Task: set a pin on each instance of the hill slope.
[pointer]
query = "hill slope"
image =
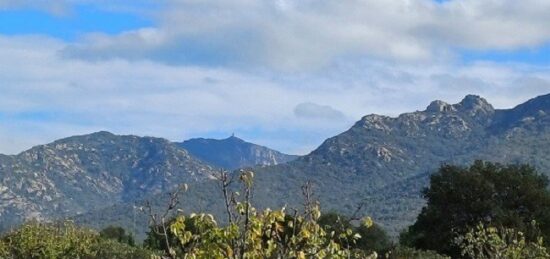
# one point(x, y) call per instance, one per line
point(232, 153)
point(83, 173)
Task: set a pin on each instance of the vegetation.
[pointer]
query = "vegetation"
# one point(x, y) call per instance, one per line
point(282, 233)
point(411, 253)
point(118, 234)
point(491, 242)
point(372, 237)
point(482, 211)
point(496, 196)
point(63, 240)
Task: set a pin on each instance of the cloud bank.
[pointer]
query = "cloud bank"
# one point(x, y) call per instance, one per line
point(302, 35)
point(286, 74)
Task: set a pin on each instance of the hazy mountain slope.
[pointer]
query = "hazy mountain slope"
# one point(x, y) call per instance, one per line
point(232, 153)
point(82, 173)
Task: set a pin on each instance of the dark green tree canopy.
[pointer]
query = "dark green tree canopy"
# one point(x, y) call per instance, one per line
point(118, 234)
point(458, 198)
point(373, 238)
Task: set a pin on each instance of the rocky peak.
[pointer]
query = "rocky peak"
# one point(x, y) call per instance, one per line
point(474, 104)
point(233, 138)
point(233, 152)
point(374, 122)
point(440, 106)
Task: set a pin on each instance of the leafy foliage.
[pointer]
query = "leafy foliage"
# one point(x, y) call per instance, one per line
point(252, 233)
point(459, 198)
point(411, 253)
point(36, 240)
point(491, 242)
point(372, 237)
point(4, 249)
point(271, 234)
point(63, 240)
point(114, 250)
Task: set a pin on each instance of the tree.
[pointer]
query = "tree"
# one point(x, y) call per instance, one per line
point(118, 234)
point(372, 238)
point(459, 198)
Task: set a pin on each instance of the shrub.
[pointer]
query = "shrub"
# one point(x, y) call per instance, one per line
point(50, 241)
point(63, 240)
point(491, 242)
point(118, 234)
point(252, 233)
point(411, 253)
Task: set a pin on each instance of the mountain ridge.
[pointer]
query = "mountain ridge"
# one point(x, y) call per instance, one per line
point(380, 152)
point(385, 161)
point(233, 153)
point(80, 173)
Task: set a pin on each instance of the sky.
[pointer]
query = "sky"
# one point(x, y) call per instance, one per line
point(282, 73)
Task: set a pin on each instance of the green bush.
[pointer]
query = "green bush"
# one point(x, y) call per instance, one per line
point(491, 242)
point(63, 240)
point(411, 253)
point(118, 234)
point(50, 241)
point(373, 238)
point(253, 233)
point(114, 250)
point(4, 250)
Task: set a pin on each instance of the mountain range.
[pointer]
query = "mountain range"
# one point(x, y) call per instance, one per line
point(382, 162)
point(79, 174)
point(385, 162)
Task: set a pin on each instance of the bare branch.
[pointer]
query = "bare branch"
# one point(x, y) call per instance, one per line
point(224, 182)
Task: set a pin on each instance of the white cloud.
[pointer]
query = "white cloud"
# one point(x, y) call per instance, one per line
point(45, 97)
point(259, 68)
point(54, 7)
point(315, 111)
point(303, 35)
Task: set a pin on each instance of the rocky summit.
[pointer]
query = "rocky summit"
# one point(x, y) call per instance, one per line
point(233, 153)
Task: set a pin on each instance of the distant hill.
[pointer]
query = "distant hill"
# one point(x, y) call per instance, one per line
point(232, 153)
point(82, 173)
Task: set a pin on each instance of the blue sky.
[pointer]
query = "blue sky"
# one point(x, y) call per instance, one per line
point(81, 20)
point(287, 73)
